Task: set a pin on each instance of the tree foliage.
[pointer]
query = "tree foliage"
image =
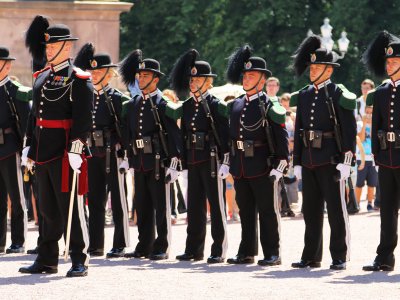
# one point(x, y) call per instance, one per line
point(165, 29)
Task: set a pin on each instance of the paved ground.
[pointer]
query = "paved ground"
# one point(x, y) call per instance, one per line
point(141, 279)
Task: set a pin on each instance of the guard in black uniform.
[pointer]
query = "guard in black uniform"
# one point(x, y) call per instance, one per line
point(324, 146)
point(56, 137)
point(205, 134)
point(154, 143)
point(383, 59)
point(259, 156)
point(14, 110)
point(107, 154)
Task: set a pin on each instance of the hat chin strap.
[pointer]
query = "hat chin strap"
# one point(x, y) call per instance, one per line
point(102, 78)
point(254, 86)
point(58, 53)
point(200, 88)
point(1, 70)
point(320, 75)
point(394, 73)
point(151, 81)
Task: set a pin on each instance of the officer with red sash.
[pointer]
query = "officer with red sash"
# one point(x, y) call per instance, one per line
point(56, 143)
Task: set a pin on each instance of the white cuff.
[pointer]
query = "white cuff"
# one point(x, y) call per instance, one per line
point(174, 163)
point(226, 159)
point(282, 165)
point(348, 157)
point(77, 147)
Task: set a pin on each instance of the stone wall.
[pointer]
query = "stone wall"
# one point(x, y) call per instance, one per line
point(91, 21)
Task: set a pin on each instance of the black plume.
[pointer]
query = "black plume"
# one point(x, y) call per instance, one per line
point(34, 38)
point(84, 56)
point(129, 66)
point(374, 56)
point(236, 63)
point(180, 73)
point(301, 56)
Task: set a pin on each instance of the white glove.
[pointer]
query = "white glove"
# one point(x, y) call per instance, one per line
point(171, 171)
point(344, 171)
point(24, 157)
point(276, 173)
point(184, 174)
point(223, 171)
point(75, 161)
point(297, 172)
point(132, 170)
point(377, 168)
point(124, 165)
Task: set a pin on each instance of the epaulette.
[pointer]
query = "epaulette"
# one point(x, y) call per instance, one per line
point(81, 74)
point(173, 110)
point(347, 99)
point(24, 93)
point(124, 97)
point(224, 107)
point(36, 74)
point(370, 96)
point(125, 105)
point(277, 112)
point(294, 97)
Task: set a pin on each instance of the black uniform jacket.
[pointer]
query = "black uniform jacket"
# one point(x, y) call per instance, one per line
point(313, 115)
point(61, 92)
point(13, 94)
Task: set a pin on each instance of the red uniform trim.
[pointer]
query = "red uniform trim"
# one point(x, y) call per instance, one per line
point(36, 74)
point(65, 124)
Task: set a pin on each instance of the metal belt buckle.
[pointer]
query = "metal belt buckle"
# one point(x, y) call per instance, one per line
point(311, 135)
point(139, 144)
point(391, 136)
point(194, 138)
point(239, 145)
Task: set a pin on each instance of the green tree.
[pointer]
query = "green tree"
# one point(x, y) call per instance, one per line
point(165, 29)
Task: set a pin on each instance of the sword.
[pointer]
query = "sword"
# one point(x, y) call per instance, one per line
point(71, 206)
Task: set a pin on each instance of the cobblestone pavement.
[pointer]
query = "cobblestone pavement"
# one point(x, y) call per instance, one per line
point(170, 279)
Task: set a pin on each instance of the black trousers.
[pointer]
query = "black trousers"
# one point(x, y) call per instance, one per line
point(99, 184)
point(152, 211)
point(200, 188)
point(319, 186)
point(258, 196)
point(389, 181)
point(30, 188)
point(54, 206)
point(11, 184)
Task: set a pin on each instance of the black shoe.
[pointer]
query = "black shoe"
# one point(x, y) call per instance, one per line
point(270, 261)
point(38, 268)
point(15, 249)
point(241, 259)
point(116, 253)
point(187, 257)
point(338, 264)
point(214, 259)
point(32, 251)
point(96, 252)
point(136, 254)
point(78, 270)
point(377, 266)
point(306, 263)
point(158, 256)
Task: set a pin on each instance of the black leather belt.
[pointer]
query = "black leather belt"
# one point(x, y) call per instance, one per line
point(256, 143)
point(310, 134)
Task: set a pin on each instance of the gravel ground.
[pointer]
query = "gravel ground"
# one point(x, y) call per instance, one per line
point(142, 279)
